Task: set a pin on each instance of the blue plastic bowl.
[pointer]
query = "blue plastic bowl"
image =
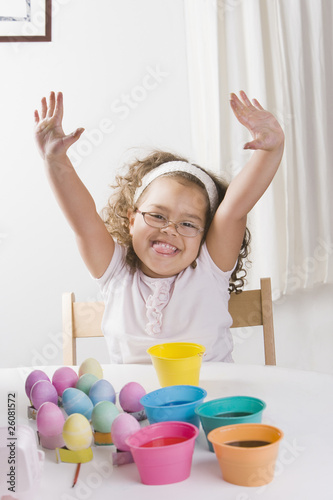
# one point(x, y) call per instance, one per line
point(229, 411)
point(174, 403)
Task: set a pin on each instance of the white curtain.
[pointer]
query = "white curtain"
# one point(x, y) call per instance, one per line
point(281, 52)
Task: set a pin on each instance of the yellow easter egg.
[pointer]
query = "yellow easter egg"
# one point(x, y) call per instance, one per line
point(91, 365)
point(77, 432)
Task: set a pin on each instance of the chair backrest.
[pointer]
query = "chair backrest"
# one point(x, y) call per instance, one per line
point(253, 308)
point(248, 308)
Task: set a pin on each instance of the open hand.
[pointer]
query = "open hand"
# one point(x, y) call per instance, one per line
point(50, 137)
point(263, 126)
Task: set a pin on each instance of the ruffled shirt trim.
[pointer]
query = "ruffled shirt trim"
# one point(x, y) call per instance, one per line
point(156, 301)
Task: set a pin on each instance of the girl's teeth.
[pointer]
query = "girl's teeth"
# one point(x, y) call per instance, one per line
point(164, 248)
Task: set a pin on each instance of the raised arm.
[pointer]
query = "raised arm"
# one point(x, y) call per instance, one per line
point(226, 232)
point(95, 243)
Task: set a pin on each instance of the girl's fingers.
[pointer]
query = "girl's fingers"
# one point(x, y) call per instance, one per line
point(59, 107)
point(36, 115)
point(235, 100)
point(245, 99)
point(54, 108)
point(241, 107)
point(43, 108)
point(252, 145)
point(68, 140)
point(257, 104)
point(237, 105)
point(51, 104)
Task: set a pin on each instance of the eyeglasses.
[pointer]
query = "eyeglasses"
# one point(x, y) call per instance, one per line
point(184, 228)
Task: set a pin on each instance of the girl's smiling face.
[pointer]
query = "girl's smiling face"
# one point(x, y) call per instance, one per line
point(163, 252)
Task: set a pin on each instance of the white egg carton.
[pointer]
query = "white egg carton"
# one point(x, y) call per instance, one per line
point(21, 464)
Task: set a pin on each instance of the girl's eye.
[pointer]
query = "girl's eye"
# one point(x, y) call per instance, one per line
point(188, 225)
point(157, 216)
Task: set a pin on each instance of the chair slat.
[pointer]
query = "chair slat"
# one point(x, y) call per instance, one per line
point(87, 319)
point(245, 308)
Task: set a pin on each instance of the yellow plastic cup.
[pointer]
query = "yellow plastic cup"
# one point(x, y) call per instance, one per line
point(177, 363)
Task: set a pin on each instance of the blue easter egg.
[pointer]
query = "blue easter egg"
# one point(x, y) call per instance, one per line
point(102, 390)
point(76, 401)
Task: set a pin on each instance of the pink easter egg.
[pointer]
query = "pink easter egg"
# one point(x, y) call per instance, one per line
point(43, 391)
point(32, 378)
point(123, 426)
point(129, 397)
point(63, 378)
point(50, 419)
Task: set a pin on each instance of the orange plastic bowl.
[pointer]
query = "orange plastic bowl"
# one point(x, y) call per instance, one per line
point(246, 466)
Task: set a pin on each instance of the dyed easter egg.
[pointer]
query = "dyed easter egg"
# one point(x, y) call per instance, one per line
point(50, 419)
point(129, 397)
point(85, 382)
point(32, 378)
point(123, 426)
point(102, 390)
point(77, 432)
point(103, 415)
point(92, 366)
point(76, 401)
point(41, 392)
point(63, 378)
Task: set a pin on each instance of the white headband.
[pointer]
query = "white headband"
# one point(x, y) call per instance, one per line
point(180, 166)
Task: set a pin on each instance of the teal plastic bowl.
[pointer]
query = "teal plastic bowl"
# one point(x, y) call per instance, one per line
point(175, 402)
point(229, 411)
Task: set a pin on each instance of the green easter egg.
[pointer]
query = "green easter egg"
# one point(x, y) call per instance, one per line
point(85, 382)
point(103, 415)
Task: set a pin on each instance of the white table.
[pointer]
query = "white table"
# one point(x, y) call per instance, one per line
point(299, 403)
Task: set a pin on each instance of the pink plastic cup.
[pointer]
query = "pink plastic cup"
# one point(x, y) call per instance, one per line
point(163, 452)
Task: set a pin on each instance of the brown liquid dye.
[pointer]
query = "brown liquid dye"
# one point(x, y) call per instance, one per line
point(248, 444)
point(234, 414)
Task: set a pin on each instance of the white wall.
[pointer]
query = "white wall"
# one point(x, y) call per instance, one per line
point(303, 327)
point(100, 58)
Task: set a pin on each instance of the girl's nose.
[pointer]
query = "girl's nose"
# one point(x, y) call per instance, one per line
point(170, 229)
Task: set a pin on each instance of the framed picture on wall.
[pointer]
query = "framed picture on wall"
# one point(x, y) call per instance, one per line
point(25, 20)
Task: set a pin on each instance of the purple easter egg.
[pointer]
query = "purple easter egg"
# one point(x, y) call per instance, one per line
point(32, 378)
point(41, 392)
point(129, 397)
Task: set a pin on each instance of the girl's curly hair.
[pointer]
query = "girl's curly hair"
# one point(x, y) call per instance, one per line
point(116, 219)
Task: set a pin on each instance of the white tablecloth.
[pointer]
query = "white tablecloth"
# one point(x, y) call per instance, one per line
point(299, 403)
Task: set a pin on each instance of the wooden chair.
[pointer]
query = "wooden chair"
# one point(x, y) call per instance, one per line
point(248, 308)
point(254, 308)
point(79, 320)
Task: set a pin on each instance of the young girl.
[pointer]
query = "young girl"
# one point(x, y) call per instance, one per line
point(173, 240)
